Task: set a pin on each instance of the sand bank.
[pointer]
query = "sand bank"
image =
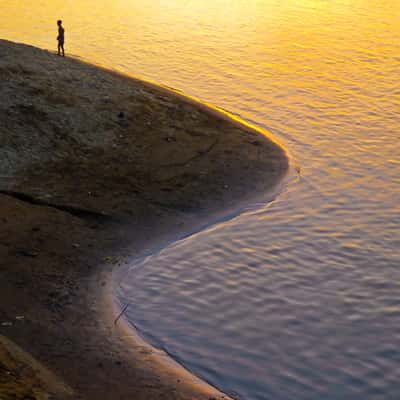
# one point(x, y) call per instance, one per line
point(95, 168)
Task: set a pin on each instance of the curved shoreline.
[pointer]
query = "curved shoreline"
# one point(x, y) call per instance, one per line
point(132, 335)
point(200, 104)
point(159, 170)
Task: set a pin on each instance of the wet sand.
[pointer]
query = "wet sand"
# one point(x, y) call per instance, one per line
point(95, 169)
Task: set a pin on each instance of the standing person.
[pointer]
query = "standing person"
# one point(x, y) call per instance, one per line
point(60, 37)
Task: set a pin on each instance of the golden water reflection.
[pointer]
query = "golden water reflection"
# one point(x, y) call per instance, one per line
point(323, 76)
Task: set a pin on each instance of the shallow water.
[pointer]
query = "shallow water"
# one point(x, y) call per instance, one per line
point(298, 297)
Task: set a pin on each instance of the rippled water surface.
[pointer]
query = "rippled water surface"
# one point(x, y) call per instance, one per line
point(298, 298)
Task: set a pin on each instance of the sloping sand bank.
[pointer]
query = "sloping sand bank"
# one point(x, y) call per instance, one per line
point(96, 167)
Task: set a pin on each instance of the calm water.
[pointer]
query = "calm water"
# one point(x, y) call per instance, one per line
point(298, 298)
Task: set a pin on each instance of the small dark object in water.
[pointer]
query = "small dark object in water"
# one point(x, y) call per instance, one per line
point(121, 115)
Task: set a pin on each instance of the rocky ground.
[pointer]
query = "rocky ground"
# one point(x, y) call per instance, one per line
point(94, 168)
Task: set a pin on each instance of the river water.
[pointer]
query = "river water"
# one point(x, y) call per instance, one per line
point(299, 297)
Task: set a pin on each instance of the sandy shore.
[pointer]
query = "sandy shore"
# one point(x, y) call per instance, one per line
point(95, 168)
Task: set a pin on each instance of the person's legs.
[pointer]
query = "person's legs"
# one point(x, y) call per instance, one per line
point(61, 48)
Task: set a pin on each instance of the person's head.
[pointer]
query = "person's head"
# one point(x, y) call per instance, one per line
point(59, 22)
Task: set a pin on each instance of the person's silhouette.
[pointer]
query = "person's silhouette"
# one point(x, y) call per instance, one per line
point(60, 38)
